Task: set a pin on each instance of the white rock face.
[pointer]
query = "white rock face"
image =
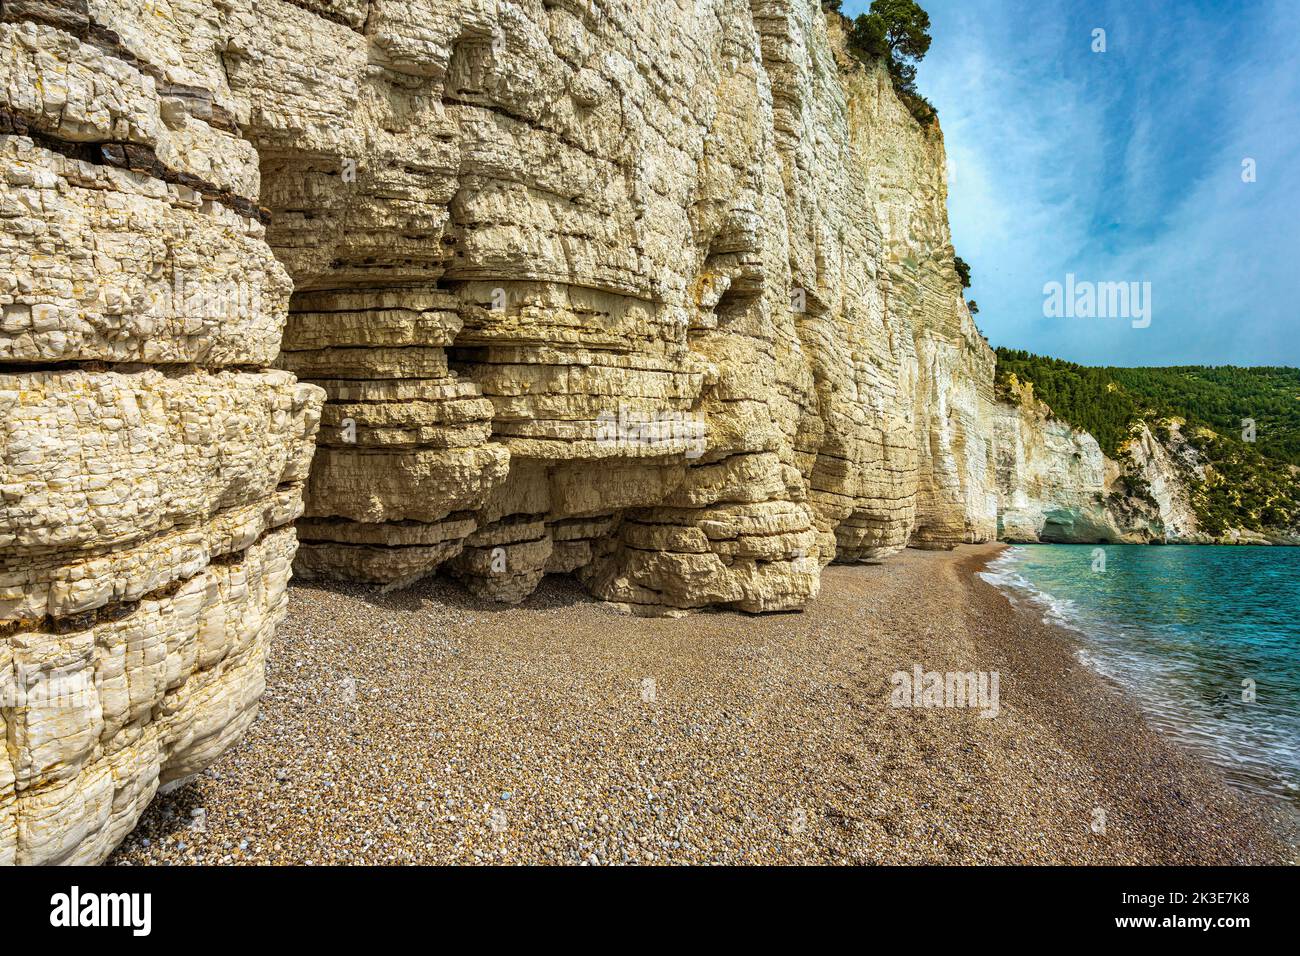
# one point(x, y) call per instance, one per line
point(151, 463)
point(1053, 479)
point(592, 289)
point(1166, 468)
point(1056, 485)
point(952, 386)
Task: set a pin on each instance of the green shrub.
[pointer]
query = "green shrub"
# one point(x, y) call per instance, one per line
point(963, 271)
point(897, 31)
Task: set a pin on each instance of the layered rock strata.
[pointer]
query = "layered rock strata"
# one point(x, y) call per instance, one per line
point(1051, 478)
point(1056, 485)
point(1166, 470)
point(591, 289)
point(151, 461)
point(1171, 473)
point(956, 492)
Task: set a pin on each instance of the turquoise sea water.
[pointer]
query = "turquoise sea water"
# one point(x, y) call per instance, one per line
point(1183, 628)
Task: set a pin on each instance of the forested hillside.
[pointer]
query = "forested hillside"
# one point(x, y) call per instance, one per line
point(1106, 400)
point(1223, 396)
point(1252, 485)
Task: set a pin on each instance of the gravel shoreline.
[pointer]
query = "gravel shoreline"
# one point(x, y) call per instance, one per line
point(426, 726)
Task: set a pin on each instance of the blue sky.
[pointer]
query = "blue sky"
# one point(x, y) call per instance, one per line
point(1125, 166)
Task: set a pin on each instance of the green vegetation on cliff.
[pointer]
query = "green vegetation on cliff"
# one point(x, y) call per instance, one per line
point(897, 32)
point(1250, 484)
point(1223, 397)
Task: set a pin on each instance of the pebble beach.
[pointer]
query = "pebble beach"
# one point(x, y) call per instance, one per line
point(428, 727)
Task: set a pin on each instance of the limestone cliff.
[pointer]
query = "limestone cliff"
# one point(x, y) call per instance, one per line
point(151, 461)
point(591, 288)
point(660, 295)
point(1172, 473)
point(1055, 484)
point(954, 367)
point(1161, 471)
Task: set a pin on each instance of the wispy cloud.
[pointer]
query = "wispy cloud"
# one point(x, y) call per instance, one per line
point(1125, 166)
